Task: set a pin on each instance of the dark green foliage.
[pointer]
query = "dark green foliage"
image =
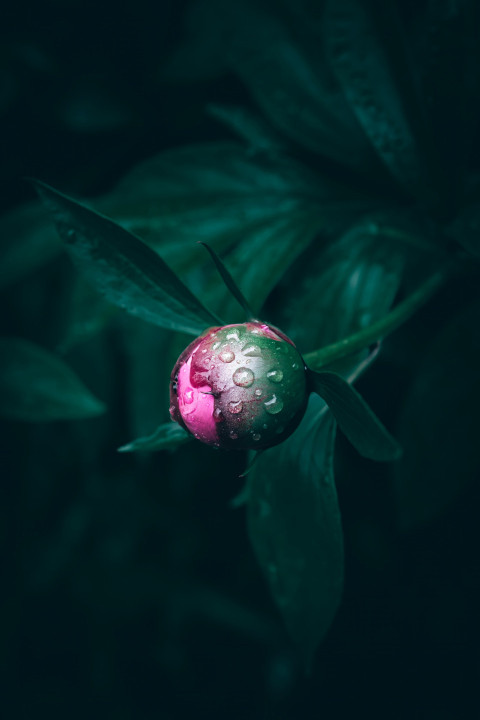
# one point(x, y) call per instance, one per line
point(295, 528)
point(327, 152)
point(123, 268)
point(37, 386)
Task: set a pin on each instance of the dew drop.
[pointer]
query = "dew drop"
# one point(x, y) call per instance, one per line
point(256, 437)
point(233, 435)
point(235, 406)
point(252, 350)
point(274, 405)
point(243, 377)
point(265, 426)
point(256, 331)
point(258, 392)
point(275, 376)
point(216, 345)
point(172, 411)
point(218, 415)
point(280, 430)
point(295, 366)
point(188, 396)
point(227, 356)
point(233, 335)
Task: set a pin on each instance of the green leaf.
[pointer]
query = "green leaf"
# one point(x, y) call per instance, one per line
point(260, 138)
point(166, 437)
point(28, 241)
point(123, 268)
point(35, 385)
point(230, 283)
point(221, 194)
point(355, 418)
point(346, 286)
point(295, 528)
point(283, 66)
point(438, 425)
point(365, 48)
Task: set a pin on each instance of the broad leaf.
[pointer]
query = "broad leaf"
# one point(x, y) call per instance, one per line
point(166, 437)
point(365, 48)
point(28, 241)
point(295, 528)
point(346, 286)
point(221, 194)
point(438, 426)
point(260, 138)
point(123, 268)
point(282, 64)
point(36, 385)
point(260, 260)
point(355, 418)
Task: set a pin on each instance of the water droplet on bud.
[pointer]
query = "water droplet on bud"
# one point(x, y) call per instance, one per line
point(235, 406)
point(256, 437)
point(227, 356)
point(188, 396)
point(233, 435)
point(243, 377)
point(233, 335)
point(274, 405)
point(275, 376)
point(252, 350)
point(258, 392)
point(218, 415)
point(216, 345)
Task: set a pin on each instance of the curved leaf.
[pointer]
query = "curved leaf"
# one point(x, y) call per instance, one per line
point(36, 385)
point(367, 52)
point(347, 286)
point(295, 528)
point(123, 268)
point(355, 418)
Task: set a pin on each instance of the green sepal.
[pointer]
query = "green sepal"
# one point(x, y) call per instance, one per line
point(166, 437)
point(229, 281)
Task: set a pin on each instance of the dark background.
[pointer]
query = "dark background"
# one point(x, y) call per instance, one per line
point(129, 589)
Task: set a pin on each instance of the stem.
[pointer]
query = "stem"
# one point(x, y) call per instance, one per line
point(380, 329)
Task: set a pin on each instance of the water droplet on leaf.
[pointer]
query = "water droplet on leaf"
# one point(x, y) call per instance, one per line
point(188, 396)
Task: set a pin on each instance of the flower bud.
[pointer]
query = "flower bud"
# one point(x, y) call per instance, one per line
point(239, 387)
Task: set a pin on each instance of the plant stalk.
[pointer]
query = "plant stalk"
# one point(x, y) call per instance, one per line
point(362, 339)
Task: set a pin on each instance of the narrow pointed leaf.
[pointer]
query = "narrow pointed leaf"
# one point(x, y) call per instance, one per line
point(166, 437)
point(229, 281)
point(295, 527)
point(355, 418)
point(123, 268)
point(37, 386)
